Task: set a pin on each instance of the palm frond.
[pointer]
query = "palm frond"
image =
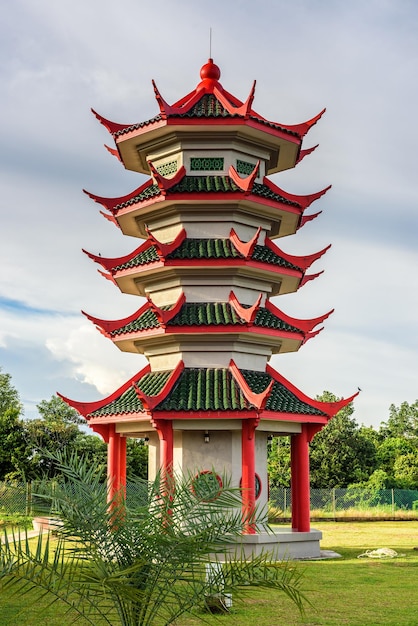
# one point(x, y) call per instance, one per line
point(137, 565)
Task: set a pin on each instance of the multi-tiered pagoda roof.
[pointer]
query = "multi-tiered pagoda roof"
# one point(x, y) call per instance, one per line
point(208, 266)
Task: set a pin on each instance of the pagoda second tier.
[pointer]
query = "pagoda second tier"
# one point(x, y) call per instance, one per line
point(208, 204)
point(208, 119)
point(209, 333)
point(197, 266)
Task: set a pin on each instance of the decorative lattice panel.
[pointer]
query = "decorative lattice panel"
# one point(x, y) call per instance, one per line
point(206, 164)
point(243, 167)
point(167, 168)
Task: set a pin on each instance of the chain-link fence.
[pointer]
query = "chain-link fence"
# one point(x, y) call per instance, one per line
point(26, 498)
point(350, 502)
point(22, 499)
point(15, 498)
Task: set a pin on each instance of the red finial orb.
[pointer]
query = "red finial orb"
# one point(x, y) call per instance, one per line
point(210, 71)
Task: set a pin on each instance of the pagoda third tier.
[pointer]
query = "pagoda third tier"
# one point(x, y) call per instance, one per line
point(216, 332)
point(206, 270)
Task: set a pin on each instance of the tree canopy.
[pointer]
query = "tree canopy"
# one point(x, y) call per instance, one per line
point(26, 445)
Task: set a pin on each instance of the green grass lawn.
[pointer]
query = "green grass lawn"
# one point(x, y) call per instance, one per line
point(345, 591)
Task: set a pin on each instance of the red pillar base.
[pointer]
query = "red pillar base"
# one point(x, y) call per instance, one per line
point(300, 481)
point(248, 475)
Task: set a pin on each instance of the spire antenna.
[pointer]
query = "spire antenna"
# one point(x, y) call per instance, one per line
point(210, 42)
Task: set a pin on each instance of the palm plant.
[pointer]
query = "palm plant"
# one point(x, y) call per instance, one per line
point(142, 564)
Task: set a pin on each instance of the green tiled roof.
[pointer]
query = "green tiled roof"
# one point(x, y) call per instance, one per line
point(207, 249)
point(222, 313)
point(146, 321)
point(143, 258)
point(212, 389)
point(224, 249)
point(215, 389)
point(265, 192)
point(149, 192)
point(274, 125)
point(263, 254)
point(151, 384)
point(280, 398)
point(204, 314)
point(206, 184)
point(207, 107)
point(129, 129)
point(266, 319)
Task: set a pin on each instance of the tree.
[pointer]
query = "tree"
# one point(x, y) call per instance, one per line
point(14, 452)
point(137, 458)
point(402, 422)
point(144, 565)
point(58, 427)
point(405, 471)
point(390, 449)
point(55, 429)
point(9, 397)
point(13, 449)
point(340, 453)
point(278, 462)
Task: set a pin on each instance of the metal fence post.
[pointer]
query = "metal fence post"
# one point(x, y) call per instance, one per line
point(28, 499)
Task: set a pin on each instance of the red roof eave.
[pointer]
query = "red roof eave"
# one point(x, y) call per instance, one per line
point(189, 197)
point(210, 415)
point(304, 262)
point(330, 408)
point(219, 329)
point(252, 122)
point(86, 408)
point(108, 326)
point(234, 263)
point(110, 263)
point(136, 132)
point(111, 203)
point(240, 415)
point(305, 325)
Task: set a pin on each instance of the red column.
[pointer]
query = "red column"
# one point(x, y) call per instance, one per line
point(112, 462)
point(248, 475)
point(116, 462)
point(165, 434)
point(122, 463)
point(294, 483)
point(300, 481)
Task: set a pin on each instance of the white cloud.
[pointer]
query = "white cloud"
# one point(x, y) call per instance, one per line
point(95, 361)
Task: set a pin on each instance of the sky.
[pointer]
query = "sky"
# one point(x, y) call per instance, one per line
point(359, 59)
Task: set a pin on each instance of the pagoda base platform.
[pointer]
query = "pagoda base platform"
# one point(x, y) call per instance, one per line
point(284, 544)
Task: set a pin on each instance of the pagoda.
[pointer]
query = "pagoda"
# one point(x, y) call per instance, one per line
point(208, 268)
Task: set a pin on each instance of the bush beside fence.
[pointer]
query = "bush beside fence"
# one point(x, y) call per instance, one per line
point(21, 499)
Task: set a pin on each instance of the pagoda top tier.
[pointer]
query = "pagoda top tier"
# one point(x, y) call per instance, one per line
point(215, 116)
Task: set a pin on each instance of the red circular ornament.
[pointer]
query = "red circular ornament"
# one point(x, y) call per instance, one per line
point(210, 71)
